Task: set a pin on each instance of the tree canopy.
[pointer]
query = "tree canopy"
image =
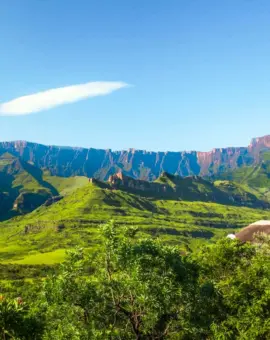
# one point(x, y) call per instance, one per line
point(140, 288)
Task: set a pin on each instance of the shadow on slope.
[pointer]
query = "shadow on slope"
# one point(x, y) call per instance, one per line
point(37, 174)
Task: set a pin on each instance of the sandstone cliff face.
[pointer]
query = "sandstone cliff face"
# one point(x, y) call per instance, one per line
point(64, 161)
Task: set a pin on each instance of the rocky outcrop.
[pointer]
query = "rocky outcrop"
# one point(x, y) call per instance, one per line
point(261, 142)
point(120, 181)
point(253, 231)
point(144, 165)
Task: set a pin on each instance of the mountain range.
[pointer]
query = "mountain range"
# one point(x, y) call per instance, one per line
point(34, 174)
point(145, 165)
point(53, 198)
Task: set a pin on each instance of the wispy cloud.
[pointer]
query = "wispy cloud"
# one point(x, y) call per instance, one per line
point(55, 97)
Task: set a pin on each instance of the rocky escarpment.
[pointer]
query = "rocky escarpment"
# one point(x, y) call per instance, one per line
point(66, 161)
point(120, 181)
point(190, 188)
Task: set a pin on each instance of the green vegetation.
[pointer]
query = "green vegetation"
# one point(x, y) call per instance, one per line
point(139, 288)
point(65, 185)
point(242, 194)
point(24, 187)
point(73, 221)
point(161, 270)
point(192, 188)
point(255, 179)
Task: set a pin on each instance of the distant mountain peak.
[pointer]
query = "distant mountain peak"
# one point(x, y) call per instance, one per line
point(260, 141)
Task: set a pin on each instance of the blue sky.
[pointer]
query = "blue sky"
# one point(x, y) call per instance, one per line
point(199, 70)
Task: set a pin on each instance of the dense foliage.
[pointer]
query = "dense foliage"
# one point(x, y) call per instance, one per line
point(140, 288)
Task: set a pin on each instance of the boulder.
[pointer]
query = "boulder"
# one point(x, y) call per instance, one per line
point(248, 234)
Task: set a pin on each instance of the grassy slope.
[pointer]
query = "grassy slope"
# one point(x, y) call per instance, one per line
point(23, 183)
point(20, 182)
point(65, 185)
point(242, 194)
point(255, 179)
point(14, 176)
point(193, 188)
point(74, 221)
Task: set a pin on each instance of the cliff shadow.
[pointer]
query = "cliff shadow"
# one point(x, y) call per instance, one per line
point(38, 175)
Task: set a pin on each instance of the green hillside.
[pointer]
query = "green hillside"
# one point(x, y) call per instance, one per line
point(65, 185)
point(21, 186)
point(255, 179)
point(191, 188)
point(24, 187)
point(182, 211)
point(43, 235)
point(242, 194)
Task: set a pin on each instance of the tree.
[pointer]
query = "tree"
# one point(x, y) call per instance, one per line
point(17, 321)
point(140, 289)
point(239, 274)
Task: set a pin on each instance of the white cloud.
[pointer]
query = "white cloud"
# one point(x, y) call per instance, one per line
point(55, 97)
